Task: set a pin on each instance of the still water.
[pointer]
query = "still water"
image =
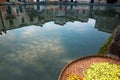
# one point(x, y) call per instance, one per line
point(37, 41)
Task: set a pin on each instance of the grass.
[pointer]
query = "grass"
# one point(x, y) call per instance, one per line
point(104, 49)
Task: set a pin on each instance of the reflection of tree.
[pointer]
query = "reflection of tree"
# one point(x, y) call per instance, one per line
point(111, 1)
point(107, 20)
point(107, 13)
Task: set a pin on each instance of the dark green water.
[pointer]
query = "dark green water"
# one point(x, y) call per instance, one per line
point(37, 41)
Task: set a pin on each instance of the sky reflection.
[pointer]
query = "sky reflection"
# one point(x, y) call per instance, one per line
point(35, 52)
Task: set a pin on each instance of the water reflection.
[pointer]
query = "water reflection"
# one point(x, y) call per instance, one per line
point(20, 16)
point(41, 39)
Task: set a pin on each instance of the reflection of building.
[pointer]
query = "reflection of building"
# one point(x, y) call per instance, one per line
point(2, 1)
point(2, 17)
point(19, 16)
point(83, 13)
point(84, 1)
point(79, 1)
point(15, 17)
point(100, 1)
point(15, 1)
point(12, 16)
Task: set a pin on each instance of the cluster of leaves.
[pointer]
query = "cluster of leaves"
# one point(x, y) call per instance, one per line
point(103, 71)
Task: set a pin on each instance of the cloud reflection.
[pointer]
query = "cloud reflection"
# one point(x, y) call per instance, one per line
point(32, 50)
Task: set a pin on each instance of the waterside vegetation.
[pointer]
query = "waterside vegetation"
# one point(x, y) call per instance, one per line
point(104, 49)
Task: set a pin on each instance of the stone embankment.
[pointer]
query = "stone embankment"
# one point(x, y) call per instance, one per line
point(114, 49)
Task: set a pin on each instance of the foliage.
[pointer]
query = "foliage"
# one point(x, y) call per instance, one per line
point(104, 49)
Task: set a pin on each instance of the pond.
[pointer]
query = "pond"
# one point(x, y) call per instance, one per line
point(37, 41)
